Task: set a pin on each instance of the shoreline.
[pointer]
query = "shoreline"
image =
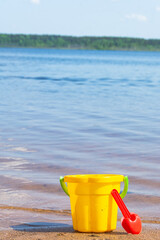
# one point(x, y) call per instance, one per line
point(66, 212)
point(79, 42)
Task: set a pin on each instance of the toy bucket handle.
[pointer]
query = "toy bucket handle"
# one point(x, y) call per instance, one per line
point(63, 185)
point(125, 180)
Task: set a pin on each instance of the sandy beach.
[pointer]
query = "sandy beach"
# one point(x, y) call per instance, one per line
point(148, 233)
point(33, 222)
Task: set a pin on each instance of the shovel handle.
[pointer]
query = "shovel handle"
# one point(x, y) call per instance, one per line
point(120, 203)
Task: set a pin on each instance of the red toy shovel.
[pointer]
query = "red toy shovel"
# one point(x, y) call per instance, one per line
point(131, 222)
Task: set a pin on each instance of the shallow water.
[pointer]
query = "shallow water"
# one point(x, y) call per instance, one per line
point(77, 111)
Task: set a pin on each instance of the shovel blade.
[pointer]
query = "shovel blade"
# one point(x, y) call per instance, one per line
point(132, 225)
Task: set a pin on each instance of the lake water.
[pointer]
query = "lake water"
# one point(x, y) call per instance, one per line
point(76, 111)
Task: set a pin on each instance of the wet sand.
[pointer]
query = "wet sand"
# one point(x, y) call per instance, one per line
point(70, 234)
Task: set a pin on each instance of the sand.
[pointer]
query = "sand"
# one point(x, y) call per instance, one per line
point(20, 214)
point(19, 223)
point(148, 233)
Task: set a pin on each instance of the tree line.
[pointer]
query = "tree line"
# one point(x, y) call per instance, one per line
point(70, 42)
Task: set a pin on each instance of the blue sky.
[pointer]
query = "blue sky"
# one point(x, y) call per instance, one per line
point(125, 18)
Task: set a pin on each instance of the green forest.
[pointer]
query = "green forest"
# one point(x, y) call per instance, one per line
point(71, 42)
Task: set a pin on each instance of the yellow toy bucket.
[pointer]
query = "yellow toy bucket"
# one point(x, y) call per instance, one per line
point(92, 205)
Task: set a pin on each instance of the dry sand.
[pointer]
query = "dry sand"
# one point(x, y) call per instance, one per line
point(148, 233)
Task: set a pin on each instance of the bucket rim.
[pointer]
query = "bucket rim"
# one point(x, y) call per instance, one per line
point(93, 178)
